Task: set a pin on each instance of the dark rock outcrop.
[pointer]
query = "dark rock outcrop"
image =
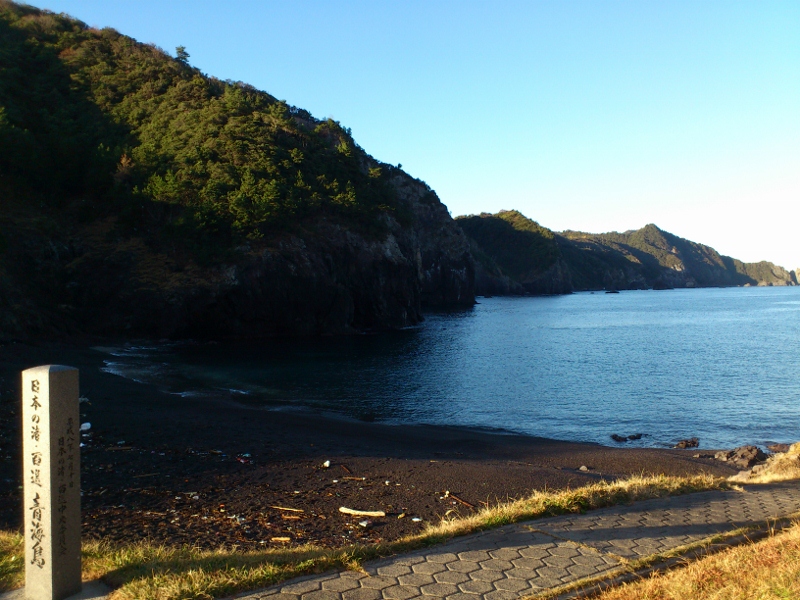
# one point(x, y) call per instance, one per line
point(743, 457)
point(688, 443)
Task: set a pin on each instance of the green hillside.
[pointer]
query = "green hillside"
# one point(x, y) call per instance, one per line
point(656, 258)
point(93, 116)
point(513, 252)
point(212, 201)
point(521, 245)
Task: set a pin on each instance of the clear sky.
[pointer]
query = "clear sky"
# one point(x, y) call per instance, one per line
point(586, 115)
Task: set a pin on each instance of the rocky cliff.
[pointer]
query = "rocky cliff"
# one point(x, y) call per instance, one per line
point(61, 276)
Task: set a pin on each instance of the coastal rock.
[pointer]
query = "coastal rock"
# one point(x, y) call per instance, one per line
point(688, 443)
point(743, 457)
point(624, 438)
point(747, 456)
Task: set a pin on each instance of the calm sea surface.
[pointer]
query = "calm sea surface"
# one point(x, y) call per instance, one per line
point(722, 365)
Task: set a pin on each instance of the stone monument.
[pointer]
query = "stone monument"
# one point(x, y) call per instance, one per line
point(51, 471)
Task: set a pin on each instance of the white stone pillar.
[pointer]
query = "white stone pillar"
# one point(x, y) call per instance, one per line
point(51, 471)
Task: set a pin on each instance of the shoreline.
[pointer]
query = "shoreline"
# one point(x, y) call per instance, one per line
point(176, 470)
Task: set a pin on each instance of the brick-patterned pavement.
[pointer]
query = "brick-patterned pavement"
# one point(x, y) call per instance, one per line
point(521, 560)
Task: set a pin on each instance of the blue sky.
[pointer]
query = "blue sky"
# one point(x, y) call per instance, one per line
point(593, 116)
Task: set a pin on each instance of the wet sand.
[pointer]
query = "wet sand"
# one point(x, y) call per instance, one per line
point(209, 472)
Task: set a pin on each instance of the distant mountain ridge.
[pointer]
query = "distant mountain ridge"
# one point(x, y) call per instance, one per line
point(515, 255)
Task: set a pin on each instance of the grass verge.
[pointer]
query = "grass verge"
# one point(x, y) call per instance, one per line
point(156, 572)
point(769, 569)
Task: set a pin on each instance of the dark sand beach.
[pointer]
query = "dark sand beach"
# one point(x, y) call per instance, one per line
point(210, 472)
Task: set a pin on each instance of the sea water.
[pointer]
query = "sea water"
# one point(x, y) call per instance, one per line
point(722, 365)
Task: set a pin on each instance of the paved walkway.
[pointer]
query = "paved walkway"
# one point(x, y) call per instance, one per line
point(526, 559)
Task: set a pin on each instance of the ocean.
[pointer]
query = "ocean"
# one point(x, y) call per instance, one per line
point(722, 365)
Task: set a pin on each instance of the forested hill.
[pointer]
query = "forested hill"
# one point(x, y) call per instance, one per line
point(141, 196)
point(517, 255)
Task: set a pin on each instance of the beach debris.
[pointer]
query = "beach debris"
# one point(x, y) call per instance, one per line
point(354, 478)
point(346, 470)
point(294, 510)
point(326, 464)
point(688, 443)
point(245, 459)
point(386, 482)
point(583, 468)
point(416, 519)
point(281, 539)
point(83, 400)
point(335, 481)
point(401, 516)
point(361, 513)
point(448, 494)
point(365, 523)
point(85, 427)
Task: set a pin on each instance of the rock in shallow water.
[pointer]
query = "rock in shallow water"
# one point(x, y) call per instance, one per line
point(689, 443)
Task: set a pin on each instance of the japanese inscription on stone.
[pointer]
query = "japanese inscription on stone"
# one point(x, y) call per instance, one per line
point(52, 482)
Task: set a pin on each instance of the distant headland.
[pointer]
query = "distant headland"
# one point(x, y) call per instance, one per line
point(515, 255)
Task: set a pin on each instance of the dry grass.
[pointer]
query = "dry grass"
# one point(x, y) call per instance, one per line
point(765, 570)
point(12, 550)
point(148, 571)
point(779, 467)
point(598, 495)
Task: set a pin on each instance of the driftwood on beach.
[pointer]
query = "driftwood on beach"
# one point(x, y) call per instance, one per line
point(362, 513)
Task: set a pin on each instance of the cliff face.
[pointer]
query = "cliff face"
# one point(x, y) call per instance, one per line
point(332, 279)
point(58, 275)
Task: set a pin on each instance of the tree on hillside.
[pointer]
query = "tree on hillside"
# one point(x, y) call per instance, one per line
point(182, 55)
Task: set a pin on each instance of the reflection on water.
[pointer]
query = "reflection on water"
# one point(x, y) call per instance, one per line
point(718, 364)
